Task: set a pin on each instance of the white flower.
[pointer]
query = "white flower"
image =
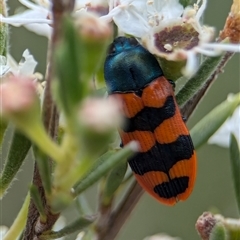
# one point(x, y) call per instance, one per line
point(38, 17)
point(231, 125)
point(4, 68)
point(168, 30)
point(35, 19)
point(60, 224)
point(3, 231)
point(25, 67)
point(137, 17)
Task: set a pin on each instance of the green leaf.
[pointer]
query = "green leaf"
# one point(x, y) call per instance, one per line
point(77, 225)
point(207, 126)
point(99, 77)
point(3, 30)
point(105, 163)
point(69, 89)
point(113, 181)
point(35, 196)
point(44, 169)
point(195, 84)
point(19, 223)
point(3, 127)
point(185, 3)
point(235, 164)
point(17, 152)
point(82, 205)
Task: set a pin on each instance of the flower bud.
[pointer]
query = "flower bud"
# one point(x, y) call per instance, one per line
point(94, 34)
point(232, 27)
point(205, 224)
point(99, 118)
point(19, 100)
point(21, 105)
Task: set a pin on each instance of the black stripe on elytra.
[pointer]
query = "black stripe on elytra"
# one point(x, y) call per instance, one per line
point(162, 157)
point(172, 188)
point(149, 117)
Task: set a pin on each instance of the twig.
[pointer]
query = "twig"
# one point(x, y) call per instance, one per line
point(119, 217)
point(34, 227)
point(189, 107)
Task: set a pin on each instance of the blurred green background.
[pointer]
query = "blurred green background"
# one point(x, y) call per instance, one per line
point(214, 187)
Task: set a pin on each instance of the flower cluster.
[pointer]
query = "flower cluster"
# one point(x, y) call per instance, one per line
point(168, 30)
point(165, 28)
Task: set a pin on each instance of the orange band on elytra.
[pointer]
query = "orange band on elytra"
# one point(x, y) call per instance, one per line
point(145, 139)
point(131, 103)
point(170, 129)
point(155, 94)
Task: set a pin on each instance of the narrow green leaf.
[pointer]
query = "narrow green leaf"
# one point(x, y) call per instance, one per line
point(94, 174)
point(195, 83)
point(218, 232)
point(59, 200)
point(207, 126)
point(3, 127)
point(113, 181)
point(3, 30)
point(185, 3)
point(99, 78)
point(44, 169)
point(20, 221)
point(105, 163)
point(35, 196)
point(77, 225)
point(235, 163)
point(82, 205)
point(17, 152)
point(69, 88)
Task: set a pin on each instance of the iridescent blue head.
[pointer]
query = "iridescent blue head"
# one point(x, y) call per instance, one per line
point(129, 66)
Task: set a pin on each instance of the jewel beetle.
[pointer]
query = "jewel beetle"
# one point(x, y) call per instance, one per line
point(165, 165)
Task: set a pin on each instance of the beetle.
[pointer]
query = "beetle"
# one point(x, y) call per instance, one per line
point(165, 165)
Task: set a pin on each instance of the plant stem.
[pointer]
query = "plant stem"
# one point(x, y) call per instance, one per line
point(38, 135)
point(50, 120)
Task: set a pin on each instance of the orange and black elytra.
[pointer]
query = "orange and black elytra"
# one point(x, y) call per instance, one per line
point(165, 165)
